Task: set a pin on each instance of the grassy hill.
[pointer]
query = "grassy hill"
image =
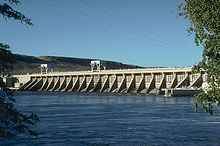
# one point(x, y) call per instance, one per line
point(30, 64)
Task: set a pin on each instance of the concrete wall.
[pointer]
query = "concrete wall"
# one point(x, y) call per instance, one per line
point(120, 81)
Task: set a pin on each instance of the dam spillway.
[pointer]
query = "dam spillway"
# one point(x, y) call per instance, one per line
point(154, 80)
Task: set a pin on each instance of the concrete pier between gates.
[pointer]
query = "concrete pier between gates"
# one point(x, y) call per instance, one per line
point(154, 81)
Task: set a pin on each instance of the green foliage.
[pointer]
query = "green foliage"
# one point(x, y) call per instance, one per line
point(6, 59)
point(204, 16)
point(8, 12)
point(12, 122)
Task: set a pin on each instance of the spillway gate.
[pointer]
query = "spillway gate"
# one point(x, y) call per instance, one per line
point(116, 81)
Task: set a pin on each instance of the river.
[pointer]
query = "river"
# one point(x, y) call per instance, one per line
point(115, 119)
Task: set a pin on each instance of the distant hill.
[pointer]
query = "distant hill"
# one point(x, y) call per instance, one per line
point(30, 64)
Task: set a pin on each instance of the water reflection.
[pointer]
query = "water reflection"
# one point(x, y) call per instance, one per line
point(111, 98)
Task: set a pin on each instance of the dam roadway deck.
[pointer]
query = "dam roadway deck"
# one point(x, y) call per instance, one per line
point(152, 80)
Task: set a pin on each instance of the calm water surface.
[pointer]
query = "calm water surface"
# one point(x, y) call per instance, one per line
point(115, 119)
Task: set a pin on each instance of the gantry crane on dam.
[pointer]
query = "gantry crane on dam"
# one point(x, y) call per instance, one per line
point(176, 81)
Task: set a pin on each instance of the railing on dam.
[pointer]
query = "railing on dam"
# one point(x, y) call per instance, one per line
point(119, 70)
point(152, 80)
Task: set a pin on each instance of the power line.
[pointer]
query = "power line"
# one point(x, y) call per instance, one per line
point(129, 23)
point(102, 29)
point(118, 27)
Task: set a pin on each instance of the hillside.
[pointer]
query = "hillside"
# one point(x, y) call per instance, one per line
point(30, 64)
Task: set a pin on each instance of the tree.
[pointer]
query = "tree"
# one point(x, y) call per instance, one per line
point(6, 59)
point(8, 12)
point(12, 122)
point(204, 16)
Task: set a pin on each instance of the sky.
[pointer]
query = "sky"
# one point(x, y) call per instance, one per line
point(139, 32)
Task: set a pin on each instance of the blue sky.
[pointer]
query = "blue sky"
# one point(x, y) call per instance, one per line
point(140, 32)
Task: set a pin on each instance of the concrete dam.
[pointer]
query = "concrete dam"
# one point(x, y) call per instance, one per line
point(179, 81)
